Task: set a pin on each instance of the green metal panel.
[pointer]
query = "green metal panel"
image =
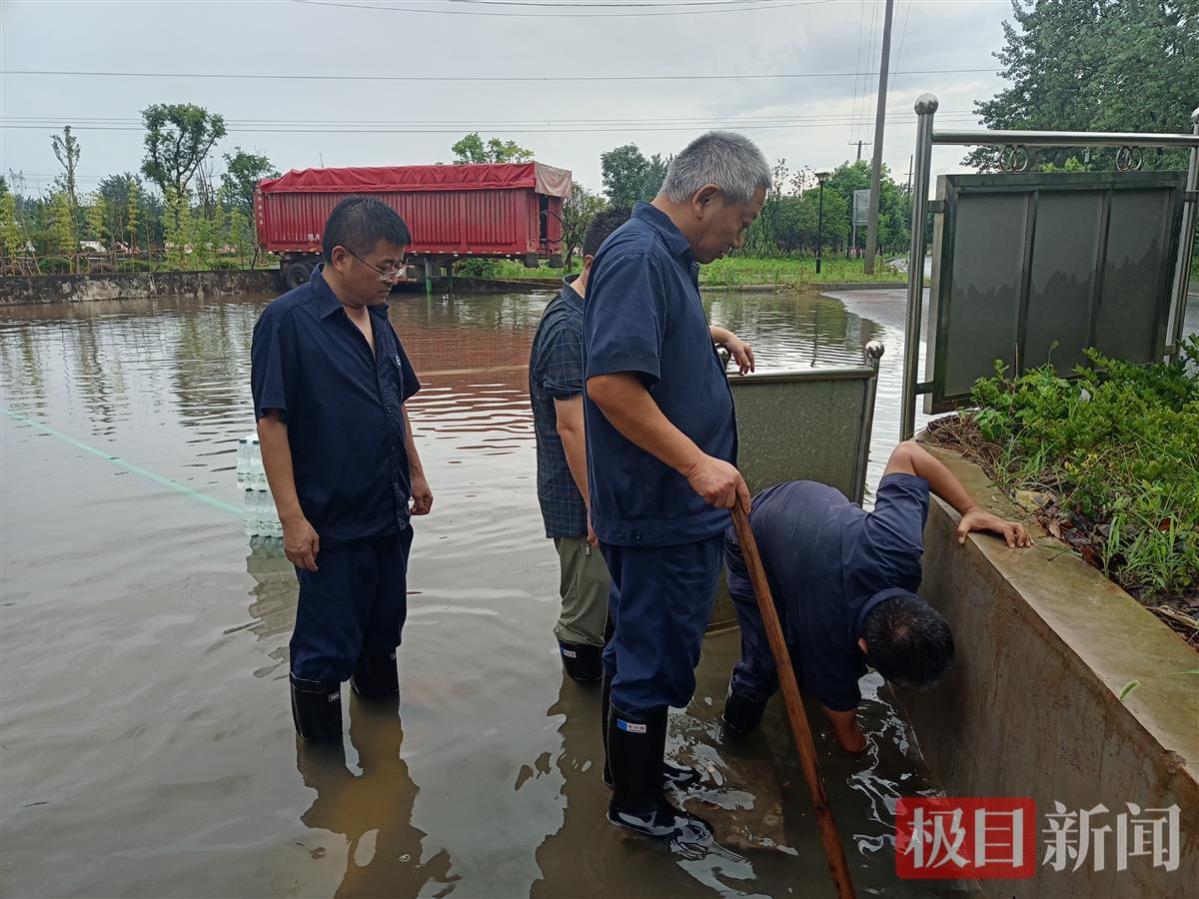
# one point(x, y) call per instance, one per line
point(1034, 268)
point(804, 425)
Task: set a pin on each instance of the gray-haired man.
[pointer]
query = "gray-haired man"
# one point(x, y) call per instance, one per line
point(661, 447)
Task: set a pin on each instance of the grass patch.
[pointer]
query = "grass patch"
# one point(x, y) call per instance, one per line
point(1110, 460)
point(736, 271)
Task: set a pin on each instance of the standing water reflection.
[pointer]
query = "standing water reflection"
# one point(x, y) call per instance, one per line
point(143, 652)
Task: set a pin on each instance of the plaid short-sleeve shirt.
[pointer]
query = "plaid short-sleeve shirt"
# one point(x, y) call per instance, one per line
point(556, 372)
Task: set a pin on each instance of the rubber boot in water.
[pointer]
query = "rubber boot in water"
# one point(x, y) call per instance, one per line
point(375, 675)
point(673, 774)
point(635, 747)
point(582, 661)
point(742, 715)
point(316, 709)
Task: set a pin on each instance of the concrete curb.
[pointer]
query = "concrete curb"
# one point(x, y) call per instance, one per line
point(1040, 701)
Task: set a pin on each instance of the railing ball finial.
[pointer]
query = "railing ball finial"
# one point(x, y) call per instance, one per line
point(1195, 115)
point(926, 104)
point(873, 350)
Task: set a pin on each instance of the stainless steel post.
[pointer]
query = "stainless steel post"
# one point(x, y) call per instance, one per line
point(1186, 247)
point(873, 353)
point(926, 108)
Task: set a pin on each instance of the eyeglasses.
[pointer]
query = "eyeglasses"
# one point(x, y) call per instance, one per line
point(388, 274)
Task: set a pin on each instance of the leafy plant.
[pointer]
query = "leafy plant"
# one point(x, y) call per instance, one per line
point(1118, 448)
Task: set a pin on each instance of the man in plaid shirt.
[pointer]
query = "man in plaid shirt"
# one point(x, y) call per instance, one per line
point(556, 391)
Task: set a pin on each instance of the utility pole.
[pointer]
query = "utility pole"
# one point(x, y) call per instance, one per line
point(911, 159)
point(879, 120)
point(859, 151)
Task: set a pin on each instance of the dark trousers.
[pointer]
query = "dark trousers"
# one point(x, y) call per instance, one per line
point(358, 598)
point(660, 603)
point(754, 676)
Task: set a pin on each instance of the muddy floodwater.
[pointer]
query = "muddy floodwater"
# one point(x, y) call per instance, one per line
point(146, 742)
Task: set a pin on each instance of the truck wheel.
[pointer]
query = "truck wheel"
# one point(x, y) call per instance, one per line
point(556, 261)
point(296, 273)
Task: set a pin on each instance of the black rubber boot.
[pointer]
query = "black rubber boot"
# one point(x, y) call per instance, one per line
point(375, 675)
point(635, 747)
point(673, 774)
point(316, 709)
point(582, 661)
point(742, 715)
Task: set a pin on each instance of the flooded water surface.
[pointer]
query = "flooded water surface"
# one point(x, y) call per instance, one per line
point(146, 742)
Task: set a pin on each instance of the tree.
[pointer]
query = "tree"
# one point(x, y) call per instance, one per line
point(132, 210)
point(471, 149)
point(66, 151)
point(62, 227)
point(178, 139)
point(12, 243)
point(242, 173)
point(1096, 65)
point(577, 212)
point(239, 234)
point(121, 201)
point(655, 174)
point(629, 176)
point(97, 217)
point(179, 234)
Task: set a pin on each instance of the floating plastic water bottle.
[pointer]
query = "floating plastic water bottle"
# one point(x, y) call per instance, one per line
point(243, 462)
point(249, 516)
point(259, 518)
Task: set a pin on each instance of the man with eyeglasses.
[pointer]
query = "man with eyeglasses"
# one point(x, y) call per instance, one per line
point(329, 379)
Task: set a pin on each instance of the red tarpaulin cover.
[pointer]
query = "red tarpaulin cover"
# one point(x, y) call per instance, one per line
point(544, 179)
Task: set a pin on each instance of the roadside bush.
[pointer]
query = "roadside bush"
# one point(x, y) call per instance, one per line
point(1117, 450)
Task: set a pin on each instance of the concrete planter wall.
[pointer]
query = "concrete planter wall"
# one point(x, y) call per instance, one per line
point(1045, 645)
point(19, 290)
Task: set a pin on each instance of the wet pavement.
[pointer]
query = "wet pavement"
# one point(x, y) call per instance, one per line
point(146, 743)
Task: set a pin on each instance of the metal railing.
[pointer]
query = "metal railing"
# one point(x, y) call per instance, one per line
point(1016, 158)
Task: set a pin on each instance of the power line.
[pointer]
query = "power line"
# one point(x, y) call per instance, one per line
point(760, 5)
point(68, 118)
point(570, 4)
point(857, 63)
point(399, 130)
point(452, 78)
point(902, 35)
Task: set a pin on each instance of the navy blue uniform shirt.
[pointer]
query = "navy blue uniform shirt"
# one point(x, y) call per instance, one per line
point(643, 316)
point(827, 561)
point(343, 409)
point(556, 373)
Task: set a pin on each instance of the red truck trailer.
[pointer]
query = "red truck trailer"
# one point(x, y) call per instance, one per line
point(509, 210)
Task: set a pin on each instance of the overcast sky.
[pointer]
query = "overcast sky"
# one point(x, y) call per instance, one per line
point(386, 120)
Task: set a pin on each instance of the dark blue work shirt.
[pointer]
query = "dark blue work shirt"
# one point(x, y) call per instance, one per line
point(827, 562)
point(643, 316)
point(556, 373)
point(343, 409)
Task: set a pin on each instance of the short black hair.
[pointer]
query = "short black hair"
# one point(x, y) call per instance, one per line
point(908, 642)
point(602, 225)
point(359, 223)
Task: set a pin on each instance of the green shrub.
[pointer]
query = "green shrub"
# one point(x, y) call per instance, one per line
point(54, 265)
point(1118, 447)
point(477, 268)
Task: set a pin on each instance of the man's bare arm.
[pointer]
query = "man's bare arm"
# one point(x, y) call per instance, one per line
point(422, 496)
point(300, 542)
point(569, 414)
point(911, 458)
point(846, 729)
point(632, 411)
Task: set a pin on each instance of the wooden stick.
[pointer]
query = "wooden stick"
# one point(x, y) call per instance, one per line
point(795, 711)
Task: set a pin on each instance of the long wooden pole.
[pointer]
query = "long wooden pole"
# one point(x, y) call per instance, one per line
point(795, 711)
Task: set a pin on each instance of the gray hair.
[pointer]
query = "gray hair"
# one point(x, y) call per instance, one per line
point(731, 161)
